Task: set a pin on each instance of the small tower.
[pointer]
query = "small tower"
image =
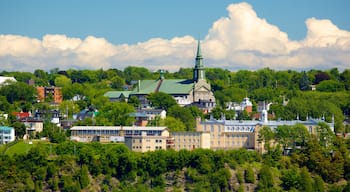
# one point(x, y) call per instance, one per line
point(199, 71)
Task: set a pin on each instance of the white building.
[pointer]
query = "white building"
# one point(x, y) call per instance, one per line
point(5, 80)
point(7, 134)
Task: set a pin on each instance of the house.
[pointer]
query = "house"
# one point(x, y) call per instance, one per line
point(7, 134)
point(34, 124)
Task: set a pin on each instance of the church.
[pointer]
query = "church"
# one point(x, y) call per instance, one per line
point(195, 91)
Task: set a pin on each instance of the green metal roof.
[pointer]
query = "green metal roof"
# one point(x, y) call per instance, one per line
point(169, 86)
point(117, 94)
point(5, 128)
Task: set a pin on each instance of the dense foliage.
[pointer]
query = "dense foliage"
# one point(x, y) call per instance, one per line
point(294, 160)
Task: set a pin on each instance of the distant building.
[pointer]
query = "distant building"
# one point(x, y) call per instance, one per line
point(233, 134)
point(191, 140)
point(195, 91)
point(34, 124)
point(54, 93)
point(118, 95)
point(6, 80)
point(7, 134)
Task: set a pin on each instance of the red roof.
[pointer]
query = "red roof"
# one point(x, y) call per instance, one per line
point(21, 115)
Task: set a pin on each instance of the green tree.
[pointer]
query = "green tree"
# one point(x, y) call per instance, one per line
point(249, 175)
point(266, 181)
point(20, 129)
point(84, 176)
point(266, 135)
point(174, 124)
point(290, 178)
point(161, 100)
point(18, 91)
point(183, 114)
point(318, 184)
point(116, 113)
point(306, 181)
point(304, 82)
point(330, 86)
point(117, 83)
point(134, 101)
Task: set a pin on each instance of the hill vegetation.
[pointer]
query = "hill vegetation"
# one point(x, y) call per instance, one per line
point(294, 160)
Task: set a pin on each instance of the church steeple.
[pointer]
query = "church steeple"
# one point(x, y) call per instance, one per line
point(199, 71)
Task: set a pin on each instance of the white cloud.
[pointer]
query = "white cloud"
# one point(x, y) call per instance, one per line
point(240, 40)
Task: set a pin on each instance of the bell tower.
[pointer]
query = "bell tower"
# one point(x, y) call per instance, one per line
point(199, 71)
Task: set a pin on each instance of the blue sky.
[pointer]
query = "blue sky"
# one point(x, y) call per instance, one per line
point(130, 21)
point(111, 24)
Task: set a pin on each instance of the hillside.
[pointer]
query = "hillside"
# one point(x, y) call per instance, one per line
point(73, 166)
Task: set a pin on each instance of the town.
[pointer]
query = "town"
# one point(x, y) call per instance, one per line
point(211, 109)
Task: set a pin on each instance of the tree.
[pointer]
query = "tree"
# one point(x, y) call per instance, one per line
point(84, 176)
point(266, 135)
point(69, 108)
point(20, 129)
point(116, 113)
point(304, 82)
point(134, 101)
point(249, 175)
point(266, 180)
point(330, 86)
point(174, 124)
point(318, 184)
point(62, 81)
point(18, 91)
point(183, 114)
point(117, 83)
point(325, 136)
point(161, 100)
point(290, 178)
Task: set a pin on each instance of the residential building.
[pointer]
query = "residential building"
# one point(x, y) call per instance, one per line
point(53, 94)
point(7, 134)
point(34, 124)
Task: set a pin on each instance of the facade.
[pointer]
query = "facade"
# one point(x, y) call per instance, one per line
point(36, 125)
point(191, 140)
point(7, 134)
point(195, 91)
point(47, 92)
point(144, 142)
point(137, 138)
point(233, 134)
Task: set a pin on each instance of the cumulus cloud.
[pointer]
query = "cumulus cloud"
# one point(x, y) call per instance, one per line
point(241, 40)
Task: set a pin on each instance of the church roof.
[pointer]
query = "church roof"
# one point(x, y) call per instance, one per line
point(169, 86)
point(117, 94)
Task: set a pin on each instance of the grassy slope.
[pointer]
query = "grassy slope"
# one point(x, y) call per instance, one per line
point(21, 147)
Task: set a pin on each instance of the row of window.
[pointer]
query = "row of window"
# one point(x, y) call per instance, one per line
point(5, 137)
point(114, 132)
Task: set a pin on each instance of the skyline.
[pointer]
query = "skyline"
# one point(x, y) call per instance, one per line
point(163, 35)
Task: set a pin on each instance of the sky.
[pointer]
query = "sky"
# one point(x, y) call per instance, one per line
point(163, 34)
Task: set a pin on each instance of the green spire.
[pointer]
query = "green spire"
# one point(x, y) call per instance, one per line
point(199, 51)
point(198, 71)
